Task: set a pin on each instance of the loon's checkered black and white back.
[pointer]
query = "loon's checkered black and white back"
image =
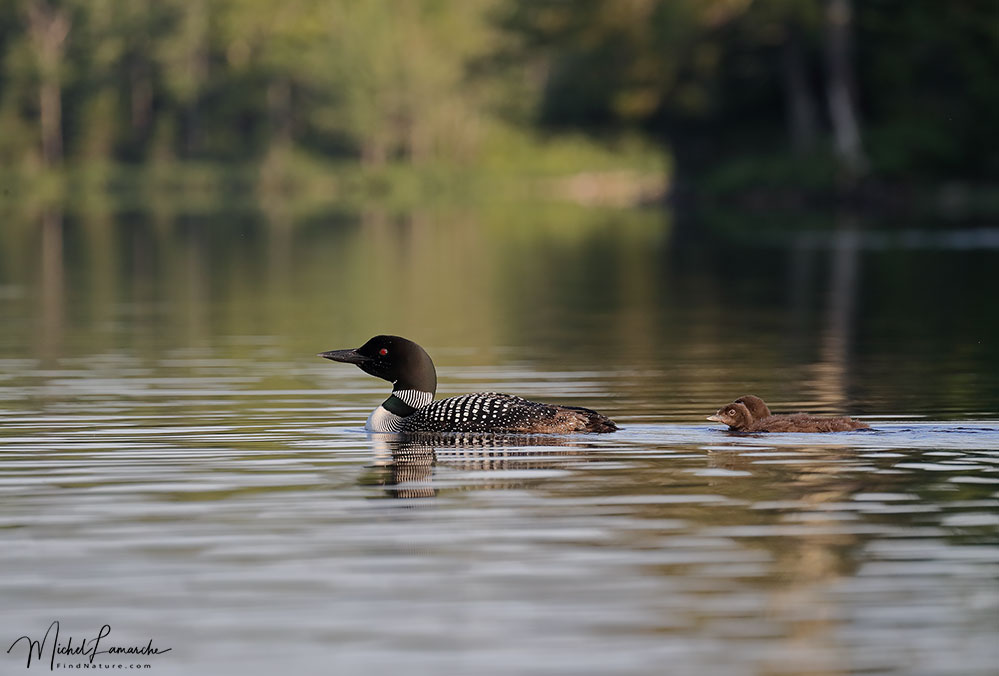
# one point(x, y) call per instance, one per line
point(495, 412)
point(411, 408)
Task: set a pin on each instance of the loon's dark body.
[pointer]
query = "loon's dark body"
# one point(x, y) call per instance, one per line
point(411, 409)
point(495, 412)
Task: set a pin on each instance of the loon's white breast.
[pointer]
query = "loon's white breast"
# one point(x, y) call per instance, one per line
point(383, 420)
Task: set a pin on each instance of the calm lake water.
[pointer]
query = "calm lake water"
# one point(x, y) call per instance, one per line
point(176, 462)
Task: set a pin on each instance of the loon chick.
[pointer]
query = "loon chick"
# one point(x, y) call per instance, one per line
point(741, 416)
point(412, 409)
point(757, 407)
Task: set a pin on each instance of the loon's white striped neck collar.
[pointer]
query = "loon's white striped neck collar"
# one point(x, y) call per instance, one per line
point(390, 416)
point(407, 402)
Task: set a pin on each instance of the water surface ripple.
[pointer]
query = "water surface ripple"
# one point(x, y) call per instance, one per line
point(177, 463)
point(254, 528)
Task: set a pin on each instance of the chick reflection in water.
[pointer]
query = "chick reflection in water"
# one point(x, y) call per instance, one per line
point(406, 464)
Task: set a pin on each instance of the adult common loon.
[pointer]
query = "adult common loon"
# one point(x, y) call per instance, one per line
point(412, 409)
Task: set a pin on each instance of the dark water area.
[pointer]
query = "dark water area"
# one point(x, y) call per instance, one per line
point(177, 463)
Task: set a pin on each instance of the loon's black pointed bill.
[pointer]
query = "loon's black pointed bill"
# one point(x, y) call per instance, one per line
point(345, 356)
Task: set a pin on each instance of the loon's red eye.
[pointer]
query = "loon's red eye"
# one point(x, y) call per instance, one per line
point(383, 351)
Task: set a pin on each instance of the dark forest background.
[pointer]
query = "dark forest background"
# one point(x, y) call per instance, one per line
point(772, 97)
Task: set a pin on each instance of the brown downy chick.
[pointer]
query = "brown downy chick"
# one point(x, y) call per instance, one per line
point(757, 407)
point(739, 418)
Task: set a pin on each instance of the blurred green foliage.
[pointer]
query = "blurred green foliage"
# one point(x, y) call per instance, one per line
point(276, 87)
point(722, 79)
point(231, 80)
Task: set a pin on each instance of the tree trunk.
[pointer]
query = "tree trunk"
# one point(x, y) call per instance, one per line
point(840, 88)
point(373, 151)
point(142, 97)
point(801, 109)
point(192, 134)
point(48, 28)
point(279, 111)
point(417, 145)
point(50, 104)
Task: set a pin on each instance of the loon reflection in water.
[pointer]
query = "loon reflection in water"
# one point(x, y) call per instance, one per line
point(412, 459)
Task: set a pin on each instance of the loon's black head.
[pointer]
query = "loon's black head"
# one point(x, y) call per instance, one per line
point(401, 362)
